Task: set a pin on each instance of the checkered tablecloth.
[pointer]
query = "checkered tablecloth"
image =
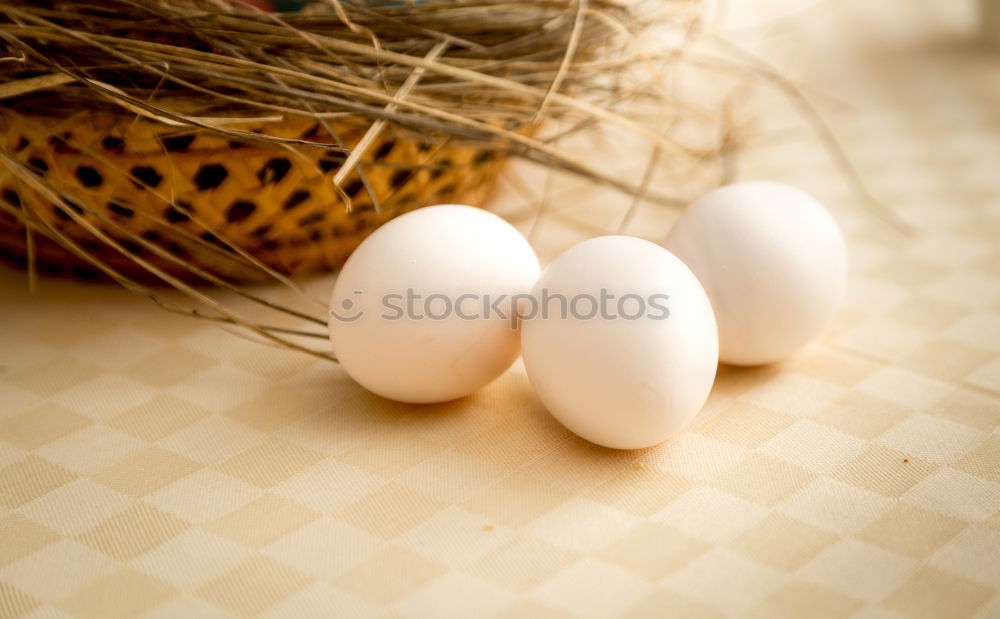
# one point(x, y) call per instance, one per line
point(156, 466)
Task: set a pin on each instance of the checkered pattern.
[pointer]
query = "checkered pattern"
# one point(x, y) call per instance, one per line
point(155, 466)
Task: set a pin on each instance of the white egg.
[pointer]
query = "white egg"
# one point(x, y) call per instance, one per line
point(629, 358)
point(773, 262)
point(421, 310)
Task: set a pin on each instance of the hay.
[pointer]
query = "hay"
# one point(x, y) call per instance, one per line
point(479, 72)
point(506, 67)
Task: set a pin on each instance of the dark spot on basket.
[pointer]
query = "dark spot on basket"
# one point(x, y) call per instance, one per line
point(10, 197)
point(178, 143)
point(448, 189)
point(331, 162)
point(210, 176)
point(362, 207)
point(17, 258)
point(119, 209)
point(84, 272)
point(132, 246)
point(424, 147)
point(52, 268)
point(270, 245)
point(274, 170)
point(240, 210)
point(91, 244)
point(312, 218)
point(151, 235)
point(354, 188)
point(76, 207)
point(146, 175)
point(235, 144)
point(261, 230)
point(178, 250)
point(38, 164)
point(176, 215)
point(384, 150)
point(399, 178)
point(337, 232)
point(60, 145)
point(214, 240)
point(113, 143)
point(22, 143)
point(486, 155)
point(310, 133)
point(315, 235)
point(88, 176)
point(296, 199)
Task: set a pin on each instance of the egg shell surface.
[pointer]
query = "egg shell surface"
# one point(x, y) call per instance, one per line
point(773, 262)
point(442, 344)
point(639, 369)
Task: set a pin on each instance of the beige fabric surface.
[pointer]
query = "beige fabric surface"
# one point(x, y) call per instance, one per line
point(157, 466)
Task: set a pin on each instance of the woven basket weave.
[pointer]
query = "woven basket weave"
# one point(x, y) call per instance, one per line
point(196, 194)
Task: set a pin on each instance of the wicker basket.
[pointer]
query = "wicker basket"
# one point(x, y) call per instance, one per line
point(151, 187)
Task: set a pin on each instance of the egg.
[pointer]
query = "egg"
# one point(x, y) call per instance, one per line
point(619, 342)
point(422, 310)
point(773, 262)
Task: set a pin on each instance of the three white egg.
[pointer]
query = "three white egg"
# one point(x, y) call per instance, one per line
point(619, 335)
